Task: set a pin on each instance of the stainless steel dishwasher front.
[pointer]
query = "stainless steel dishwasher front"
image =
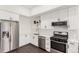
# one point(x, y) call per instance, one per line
point(41, 42)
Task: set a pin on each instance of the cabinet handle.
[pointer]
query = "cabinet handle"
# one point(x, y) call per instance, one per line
point(72, 43)
point(67, 46)
point(33, 37)
point(47, 43)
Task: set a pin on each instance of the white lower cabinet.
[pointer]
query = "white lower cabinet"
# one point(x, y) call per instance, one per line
point(47, 47)
point(73, 41)
point(35, 40)
point(72, 47)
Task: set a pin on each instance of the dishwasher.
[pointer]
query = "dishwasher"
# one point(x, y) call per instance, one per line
point(41, 42)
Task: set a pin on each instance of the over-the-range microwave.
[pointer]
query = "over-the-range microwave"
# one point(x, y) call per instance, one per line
point(59, 23)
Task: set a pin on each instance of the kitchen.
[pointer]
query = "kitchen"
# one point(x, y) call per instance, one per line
point(51, 28)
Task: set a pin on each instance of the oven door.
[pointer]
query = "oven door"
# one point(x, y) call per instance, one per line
point(58, 46)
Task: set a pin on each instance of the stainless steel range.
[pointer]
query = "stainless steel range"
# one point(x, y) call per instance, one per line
point(59, 41)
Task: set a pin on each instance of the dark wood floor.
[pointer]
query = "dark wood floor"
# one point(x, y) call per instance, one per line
point(29, 48)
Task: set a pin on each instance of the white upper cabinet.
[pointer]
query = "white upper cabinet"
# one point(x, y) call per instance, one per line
point(9, 16)
point(63, 14)
point(45, 24)
point(13, 17)
point(47, 19)
point(35, 25)
point(69, 14)
point(73, 18)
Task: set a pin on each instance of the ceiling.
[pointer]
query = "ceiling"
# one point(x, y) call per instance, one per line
point(37, 9)
point(28, 10)
point(30, 6)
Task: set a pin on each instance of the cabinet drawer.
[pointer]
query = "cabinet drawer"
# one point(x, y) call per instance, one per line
point(48, 49)
point(47, 43)
point(73, 47)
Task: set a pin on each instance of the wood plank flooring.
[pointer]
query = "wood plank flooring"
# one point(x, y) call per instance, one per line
point(29, 48)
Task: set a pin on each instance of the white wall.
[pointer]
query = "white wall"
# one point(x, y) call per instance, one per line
point(25, 30)
point(15, 9)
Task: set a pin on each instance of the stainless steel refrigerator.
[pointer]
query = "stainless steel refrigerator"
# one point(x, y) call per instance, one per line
point(9, 35)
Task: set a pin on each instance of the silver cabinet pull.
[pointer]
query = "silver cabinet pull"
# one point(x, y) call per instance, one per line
point(67, 46)
point(33, 37)
point(72, 43)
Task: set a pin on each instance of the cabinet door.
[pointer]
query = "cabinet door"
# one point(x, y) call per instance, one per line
point(73, 17)
point(35, 40)
point(43, 24)
point(48, 44)
point(73, 35)
point(73, 47)
point(63, 14)
point(46, 22)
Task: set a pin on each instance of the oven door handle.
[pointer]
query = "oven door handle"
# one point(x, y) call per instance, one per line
point(58, 42)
